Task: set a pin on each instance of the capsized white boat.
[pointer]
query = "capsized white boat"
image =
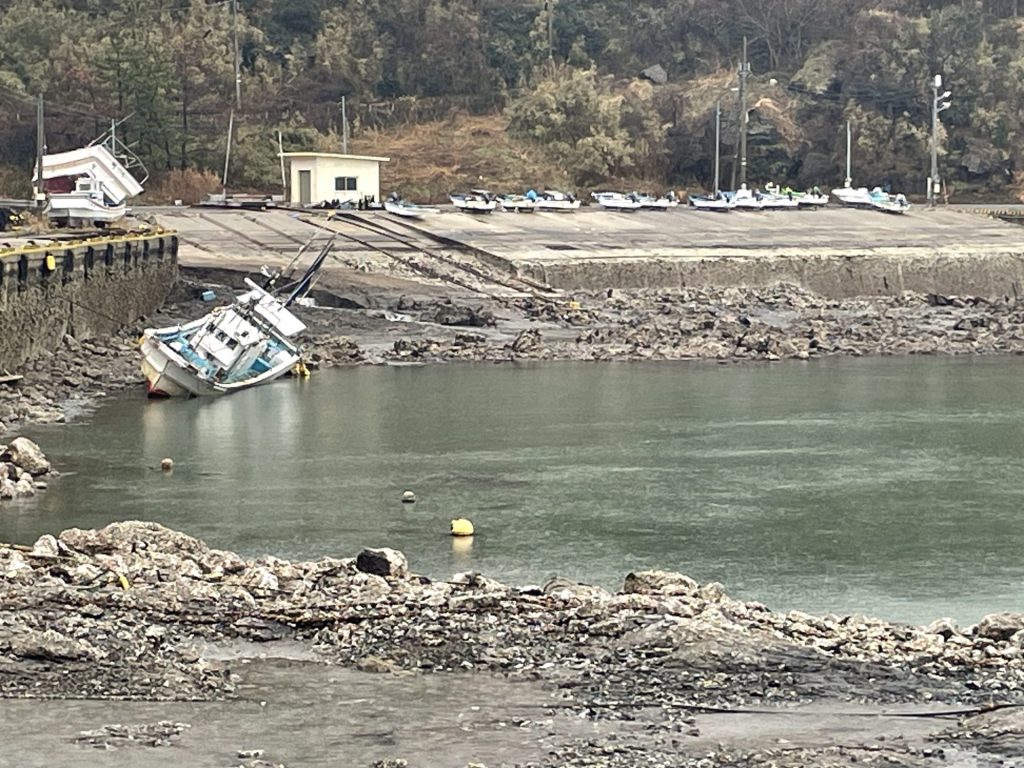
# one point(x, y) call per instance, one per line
point(86, 204)
point(401, 207)
point(553, 200)
point(234, 347)
point(475, 201)
point(617, 201)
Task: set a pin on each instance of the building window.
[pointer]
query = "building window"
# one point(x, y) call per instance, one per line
point(345, 183)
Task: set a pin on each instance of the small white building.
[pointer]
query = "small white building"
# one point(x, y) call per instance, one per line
point(317, 177)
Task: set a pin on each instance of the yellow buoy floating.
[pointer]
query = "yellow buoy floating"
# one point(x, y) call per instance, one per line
point(461, 527)
point(51, 263)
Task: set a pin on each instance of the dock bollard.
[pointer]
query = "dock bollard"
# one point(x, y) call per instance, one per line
point(461, 527)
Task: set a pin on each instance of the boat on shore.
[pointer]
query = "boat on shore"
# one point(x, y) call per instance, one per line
point(474, 201)
point(874, 199)
point(517, 203)
point(239, 346)
point(617, 201)
point(401, 207)
point(560, 202)
point(718, 202)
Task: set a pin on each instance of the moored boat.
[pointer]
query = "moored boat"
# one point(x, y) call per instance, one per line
point(517, 203)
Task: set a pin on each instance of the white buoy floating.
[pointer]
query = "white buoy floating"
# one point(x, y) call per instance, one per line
point(461, 527)
point(167, 464)
point(408, 497)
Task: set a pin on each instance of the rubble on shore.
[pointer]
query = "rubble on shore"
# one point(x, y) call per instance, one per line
point(730, 325)
point(125, 612)
point(22, 468)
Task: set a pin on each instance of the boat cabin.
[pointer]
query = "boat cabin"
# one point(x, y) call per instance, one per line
point(324, 177)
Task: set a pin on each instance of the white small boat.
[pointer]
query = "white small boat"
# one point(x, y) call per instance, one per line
point(553, 200)
point(717, 202)
point(779, 202)
point(475, 201)
point(811, 199)
point(234, 347)
point(87, 204)
point(744, 199)
point(617, 201)
point(654, 203)
point(407, 210)
point(874, 199)
point(517, 203)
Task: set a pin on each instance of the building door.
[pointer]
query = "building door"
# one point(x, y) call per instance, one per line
point(305, 188)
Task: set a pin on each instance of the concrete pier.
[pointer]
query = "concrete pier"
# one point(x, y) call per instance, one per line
point(89, 287)
point(835, 252)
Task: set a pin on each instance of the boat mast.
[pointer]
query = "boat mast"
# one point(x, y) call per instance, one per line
point(849, 180)
point(744, 71)
point(718, 136)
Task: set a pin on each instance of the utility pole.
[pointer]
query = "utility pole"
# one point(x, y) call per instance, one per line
point(238, 60)
point(718, 138)
point(549, 12)
point(744, 71)
point(40, 151)
point(344, 128)
point(939, 103)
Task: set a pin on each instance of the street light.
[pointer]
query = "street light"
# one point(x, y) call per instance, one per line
point(939, 103)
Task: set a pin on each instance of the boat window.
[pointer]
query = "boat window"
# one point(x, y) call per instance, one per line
point(232, 343)
point(210, 327)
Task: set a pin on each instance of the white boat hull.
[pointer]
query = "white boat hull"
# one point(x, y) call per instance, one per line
point(710, 204)
point(409, 210)
point(474, 206)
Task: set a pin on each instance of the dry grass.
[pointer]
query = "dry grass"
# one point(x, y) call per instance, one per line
point(189, 186)
point(431, 160)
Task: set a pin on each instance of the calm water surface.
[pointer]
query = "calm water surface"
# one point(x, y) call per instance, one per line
point(893, 487)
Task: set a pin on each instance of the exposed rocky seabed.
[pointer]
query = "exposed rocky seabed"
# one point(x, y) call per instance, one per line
point(130, 611)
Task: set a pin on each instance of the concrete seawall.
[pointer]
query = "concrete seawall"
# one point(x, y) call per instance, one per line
point(85, 288)
point(991, 273)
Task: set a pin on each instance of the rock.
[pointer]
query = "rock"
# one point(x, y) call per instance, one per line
point(383, 562)
point(659, 583)
point(945, 627)
point(46, 546)
point(375, 665)
point(27, 455)
point(1000, 626)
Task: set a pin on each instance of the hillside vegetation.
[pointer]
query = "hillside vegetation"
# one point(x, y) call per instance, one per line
point(510, 94)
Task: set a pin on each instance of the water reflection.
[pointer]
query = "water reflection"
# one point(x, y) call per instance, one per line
point(882, 486)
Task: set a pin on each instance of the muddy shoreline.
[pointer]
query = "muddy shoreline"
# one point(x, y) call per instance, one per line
point(136, 611)
point(421, 324)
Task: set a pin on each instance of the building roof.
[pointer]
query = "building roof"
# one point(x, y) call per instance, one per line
point(335, 156)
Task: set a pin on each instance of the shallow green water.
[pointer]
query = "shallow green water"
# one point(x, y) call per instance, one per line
point(892, 487)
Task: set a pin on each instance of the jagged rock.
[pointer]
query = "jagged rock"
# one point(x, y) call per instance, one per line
point(383, 562)
point(27, 455)
point(46, 546)
point(1000, 626)
point(659, 583)
point(945, 627)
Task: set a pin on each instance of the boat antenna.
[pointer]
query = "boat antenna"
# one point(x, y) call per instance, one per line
point(305, 282)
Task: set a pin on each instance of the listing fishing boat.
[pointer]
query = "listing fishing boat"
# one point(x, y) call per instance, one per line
point(617, 201)
point(474, 201)
point(239, 346)
point(560, 202)
point(401, 207)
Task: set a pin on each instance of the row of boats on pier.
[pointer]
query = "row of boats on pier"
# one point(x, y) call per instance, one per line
point(774, 198)
point(481, 201)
